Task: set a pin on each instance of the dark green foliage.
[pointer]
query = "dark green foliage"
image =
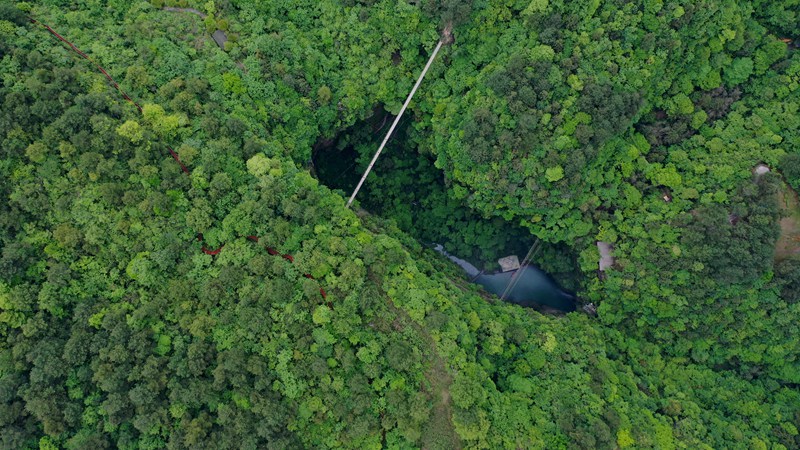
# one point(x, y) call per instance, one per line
point(790, 167)
point(415, 196)
point(780, 17)
point(454, 12)
point(612, 110)
point(787, 273)
point(735, 243)
point(570, 122)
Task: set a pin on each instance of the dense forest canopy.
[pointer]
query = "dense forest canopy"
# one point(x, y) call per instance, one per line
point(239, 304)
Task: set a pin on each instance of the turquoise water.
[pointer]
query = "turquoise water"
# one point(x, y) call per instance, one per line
point(533, 287)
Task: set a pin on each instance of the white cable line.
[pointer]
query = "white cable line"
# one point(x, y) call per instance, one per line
point(394, 124)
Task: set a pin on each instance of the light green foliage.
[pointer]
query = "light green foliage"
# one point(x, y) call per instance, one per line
point(131, 130)
point(575, 82)
point(233, 84)
point(47, 443)
point(138, 267)
point(6, 29)
point(260, 165)
point(163, 344)
point(542, 52)
point(137, 77)
point(768, 54)
point(699, 118)
point(11, 314)
point(165, 125)
point(682, 104)
point(711, 80)
point(210, 23)
point(36, 152)
point(467, 392)
point(624, 438)
point(535, 6)
point(554, 174)
point(739, 71)
point(324, 95)
point(668, 176)
point(322, 315)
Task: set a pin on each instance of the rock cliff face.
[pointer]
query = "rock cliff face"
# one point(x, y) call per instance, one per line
point(606, 259)
point(220, 38)
point(508, 263)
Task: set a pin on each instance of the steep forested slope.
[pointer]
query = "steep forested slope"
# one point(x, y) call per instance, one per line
point(639, 125)
point(574, 121)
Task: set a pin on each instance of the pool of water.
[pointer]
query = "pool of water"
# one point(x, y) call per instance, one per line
point(532, 287)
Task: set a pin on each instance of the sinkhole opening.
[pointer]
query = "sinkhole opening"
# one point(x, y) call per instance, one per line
point(405, 186)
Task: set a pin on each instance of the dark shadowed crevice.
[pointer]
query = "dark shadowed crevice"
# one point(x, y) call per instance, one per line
point(407, 188)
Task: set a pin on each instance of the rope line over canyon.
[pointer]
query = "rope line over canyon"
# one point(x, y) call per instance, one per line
point(397, 119)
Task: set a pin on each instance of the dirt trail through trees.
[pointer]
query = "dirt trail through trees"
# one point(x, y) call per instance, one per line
point(186, 10)
point(439, 432)
point(788, 243)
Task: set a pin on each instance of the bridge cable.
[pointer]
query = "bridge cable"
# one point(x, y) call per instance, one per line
point(394, 124)
point(512, 283)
